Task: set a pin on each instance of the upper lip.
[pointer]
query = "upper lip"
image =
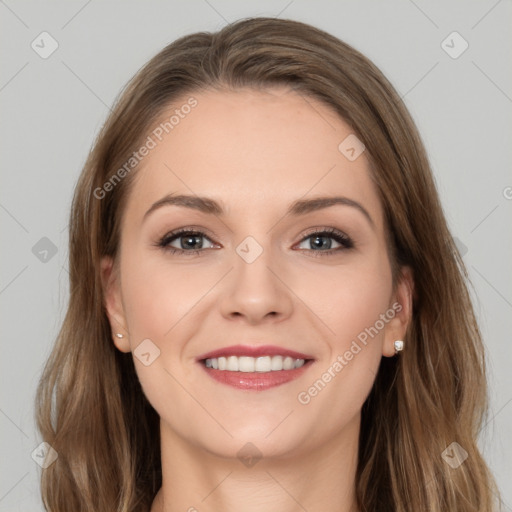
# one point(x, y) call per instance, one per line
point(253, 351)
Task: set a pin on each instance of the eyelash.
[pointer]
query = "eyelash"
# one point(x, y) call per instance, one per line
point(340, 237)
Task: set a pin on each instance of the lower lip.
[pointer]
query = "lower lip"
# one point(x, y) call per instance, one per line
point(257, 381)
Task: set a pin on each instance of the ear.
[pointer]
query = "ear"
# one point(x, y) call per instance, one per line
point(401, 304)
point(113, 303)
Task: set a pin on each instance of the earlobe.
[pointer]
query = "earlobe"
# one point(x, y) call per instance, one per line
point(402, 305)
point(113, 304)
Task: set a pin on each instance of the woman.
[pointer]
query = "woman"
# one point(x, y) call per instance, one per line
point(267, 310)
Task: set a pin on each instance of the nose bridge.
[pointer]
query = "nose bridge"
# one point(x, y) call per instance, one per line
point(251, 266)
point(254, 290)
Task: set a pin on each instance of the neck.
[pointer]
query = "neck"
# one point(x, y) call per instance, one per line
point(322, 478)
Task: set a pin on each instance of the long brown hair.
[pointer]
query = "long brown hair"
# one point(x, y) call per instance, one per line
point(90, 406)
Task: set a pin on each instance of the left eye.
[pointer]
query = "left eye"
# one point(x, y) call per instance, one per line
point(324, 241)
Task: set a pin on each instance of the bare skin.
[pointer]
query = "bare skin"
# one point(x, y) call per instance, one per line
point(256, 152)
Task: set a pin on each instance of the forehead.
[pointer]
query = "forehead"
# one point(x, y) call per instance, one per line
point(254, 151)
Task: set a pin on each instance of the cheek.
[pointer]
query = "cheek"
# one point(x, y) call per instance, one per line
point(351, 306)
point(159, 301)
point(157, 295)
point(350, 298)
point(361, 302)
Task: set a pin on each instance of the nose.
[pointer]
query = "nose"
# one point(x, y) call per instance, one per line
point(256, 292)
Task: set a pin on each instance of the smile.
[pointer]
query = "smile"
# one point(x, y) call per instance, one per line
point(254, 364)
point(255, 373)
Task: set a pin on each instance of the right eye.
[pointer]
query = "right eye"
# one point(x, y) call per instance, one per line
point(188, 241)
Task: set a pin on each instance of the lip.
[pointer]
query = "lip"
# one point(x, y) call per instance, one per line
point(256, 381)
point(253, 351)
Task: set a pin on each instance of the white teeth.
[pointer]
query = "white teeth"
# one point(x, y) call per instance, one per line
point(232, 364)
point(263, 364)
point(246, 364)
point(299, 363)
point(288, 363)
point(277, 363)
point(254, 364)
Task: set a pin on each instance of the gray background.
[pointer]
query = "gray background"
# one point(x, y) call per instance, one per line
point(52, 109)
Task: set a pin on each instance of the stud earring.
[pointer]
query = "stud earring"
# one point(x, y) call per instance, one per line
point(119, 335)
point(399, 346)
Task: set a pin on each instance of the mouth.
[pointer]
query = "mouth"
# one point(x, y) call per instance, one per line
point(255, 368)
point(248, 364)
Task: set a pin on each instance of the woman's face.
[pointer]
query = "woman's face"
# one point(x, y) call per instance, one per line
point(264, 265)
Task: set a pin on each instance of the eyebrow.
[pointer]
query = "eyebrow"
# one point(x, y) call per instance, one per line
point(297, 208)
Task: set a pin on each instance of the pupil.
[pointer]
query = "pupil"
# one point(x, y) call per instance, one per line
point(319, 239)
point(190, 239)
